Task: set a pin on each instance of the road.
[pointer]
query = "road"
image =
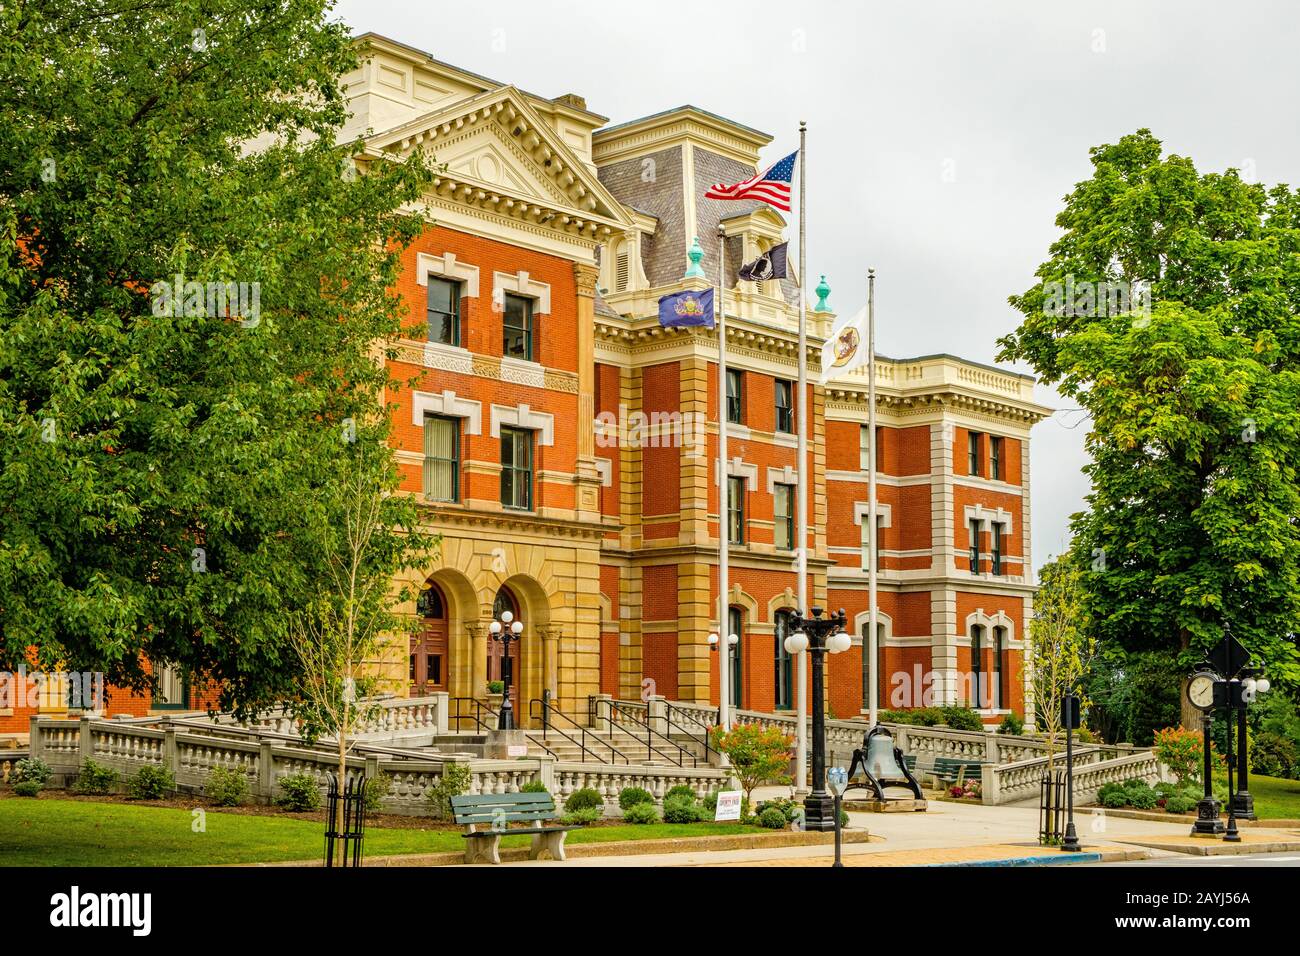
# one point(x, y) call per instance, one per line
point(1244, 859)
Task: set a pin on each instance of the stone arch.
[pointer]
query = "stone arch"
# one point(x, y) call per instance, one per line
point(787, 600)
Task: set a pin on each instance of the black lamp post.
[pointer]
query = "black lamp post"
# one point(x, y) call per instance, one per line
point(1234, 701)
point(819, 636)
point(1070, 716)
point(1252, 685)
point(506, 630)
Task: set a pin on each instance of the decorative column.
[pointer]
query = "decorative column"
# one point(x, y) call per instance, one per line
point(476, 637)
point(587, 478)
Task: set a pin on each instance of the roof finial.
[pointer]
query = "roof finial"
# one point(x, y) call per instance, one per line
point(822, 290)
point(694, 254)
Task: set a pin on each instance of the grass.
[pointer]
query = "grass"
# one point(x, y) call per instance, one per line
point(53, 832)
point(1275, 798)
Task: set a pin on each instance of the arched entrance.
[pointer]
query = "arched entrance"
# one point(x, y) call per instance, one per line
point(496, 650)
point(429, 650)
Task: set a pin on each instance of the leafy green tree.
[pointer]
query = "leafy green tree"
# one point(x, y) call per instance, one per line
point(1060, 647)
point(160, 447)
point(756, 754)
point(1192, 518)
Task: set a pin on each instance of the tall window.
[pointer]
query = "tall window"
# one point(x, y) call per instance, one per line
point(783, 508)
point(869, 667)
point(974, 546)
point(973, 452)
point(783, 661)
point(995, 565)
point(996, 691)
point(864, 447)
point(517, 321)
point(736, 510)
point(784, 405)
point(173, 691)
point(441, 458)
point(995, 457)
point(444, 311)
point(734, 626)
point(735, 396)
point(976, 650)
point(517, 468)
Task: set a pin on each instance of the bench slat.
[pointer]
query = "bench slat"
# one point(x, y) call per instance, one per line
point(508, 817)
point(493, 799)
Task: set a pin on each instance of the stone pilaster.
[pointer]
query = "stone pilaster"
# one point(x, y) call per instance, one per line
point(587, 499)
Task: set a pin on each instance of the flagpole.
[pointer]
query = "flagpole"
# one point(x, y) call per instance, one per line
point(872, 650)
point(801, 406)
point(724, 511)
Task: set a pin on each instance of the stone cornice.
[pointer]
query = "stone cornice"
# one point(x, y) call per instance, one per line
point(412, 352)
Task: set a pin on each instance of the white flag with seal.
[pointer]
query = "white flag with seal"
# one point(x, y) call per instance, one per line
point(847, 347)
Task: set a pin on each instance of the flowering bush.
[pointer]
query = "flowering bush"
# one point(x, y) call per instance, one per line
point(1181, 751)
point(758, 754)
point(967, 789)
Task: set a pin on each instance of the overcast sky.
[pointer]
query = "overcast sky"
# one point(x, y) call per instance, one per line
point(942, 136)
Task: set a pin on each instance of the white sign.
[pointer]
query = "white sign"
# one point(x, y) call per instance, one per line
point(728, 805)
point(517, 750)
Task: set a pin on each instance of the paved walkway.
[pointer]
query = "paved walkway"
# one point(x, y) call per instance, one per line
point(946, 833)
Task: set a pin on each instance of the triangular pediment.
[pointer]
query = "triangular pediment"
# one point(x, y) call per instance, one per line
point(497, 149)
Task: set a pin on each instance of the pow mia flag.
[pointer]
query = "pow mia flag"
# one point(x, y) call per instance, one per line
point(770, 265)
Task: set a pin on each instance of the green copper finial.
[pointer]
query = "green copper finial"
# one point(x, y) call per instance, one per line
point(695, 254)
point(822, 290)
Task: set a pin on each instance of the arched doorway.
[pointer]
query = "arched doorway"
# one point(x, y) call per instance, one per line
point(428, 664)
point(505, 601)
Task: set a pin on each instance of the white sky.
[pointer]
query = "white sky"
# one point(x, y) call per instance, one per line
point(942, 136)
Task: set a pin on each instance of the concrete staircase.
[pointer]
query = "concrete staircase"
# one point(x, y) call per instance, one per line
point(630, 744)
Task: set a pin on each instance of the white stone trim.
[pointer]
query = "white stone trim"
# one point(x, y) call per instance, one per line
point(884, 513)
point(522, 372)
point(737, 467)
point(863, 619)
point(781, 476)
point(448, 358)
point(445, 266)
point(448, 405)
point(521, 416)
point(605, 468)
point(521, 284)
point(988, 622)
point(987, 516)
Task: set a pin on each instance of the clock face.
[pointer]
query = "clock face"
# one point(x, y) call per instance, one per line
point(1200, 691)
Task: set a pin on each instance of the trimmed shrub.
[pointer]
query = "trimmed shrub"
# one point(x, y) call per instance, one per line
point(1275, 755)
point(376, 789)
point(1178, 803)
point(27, 788)
point(1113, 799)
point(681, 790)
point(496, 686)
point(31, 769)
point(226, 786)
point(962, 718)
point(641, 813)
point(710, 801)
point(679, 809)
point(299, 793)
point(1142, 798)
point(151, 783)
point(1085, 736)
point(630, 796)
point(584, 817)
point(584, 799)
point(1011, 724)
point(789, 808)
point(534, 786)
point(452, 783)
point(771, 818)
point(95, 778)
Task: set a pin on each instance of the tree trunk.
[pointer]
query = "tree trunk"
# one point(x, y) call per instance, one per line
point(1189, 718)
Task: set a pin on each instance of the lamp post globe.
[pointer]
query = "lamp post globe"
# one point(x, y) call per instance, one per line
point(506, 629)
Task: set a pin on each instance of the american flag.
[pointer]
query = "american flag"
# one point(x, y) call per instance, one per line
point(772, 187)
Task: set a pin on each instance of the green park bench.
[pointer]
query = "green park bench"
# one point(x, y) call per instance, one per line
point(949, 770)
point(487, 818)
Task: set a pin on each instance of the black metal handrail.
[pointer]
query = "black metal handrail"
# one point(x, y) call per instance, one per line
point(549, 714)
point(616, 707)
point(702, 739)
point(478, 710)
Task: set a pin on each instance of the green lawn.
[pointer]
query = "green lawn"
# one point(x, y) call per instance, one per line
point(51, 832)
point(1274, 797)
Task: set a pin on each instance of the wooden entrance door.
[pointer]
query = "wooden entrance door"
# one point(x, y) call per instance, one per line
point(429, 650)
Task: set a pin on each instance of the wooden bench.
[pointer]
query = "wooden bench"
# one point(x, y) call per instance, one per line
point(487, 818)
point(950, 770)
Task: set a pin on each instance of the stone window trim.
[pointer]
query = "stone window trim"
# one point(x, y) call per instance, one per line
point(446, 266)
point(521, 416)
point(988, 622)
point(884, 513)
point(986, 516)
point(782, 476)
point(605, 468)
point(520, 283)
point(737, 467)
point(862, 620)
point(448, 405)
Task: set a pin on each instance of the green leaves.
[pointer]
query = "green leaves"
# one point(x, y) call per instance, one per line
point(1192, 519)
point(158, 468)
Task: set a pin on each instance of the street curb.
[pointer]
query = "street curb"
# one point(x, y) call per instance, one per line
point(1065, 859)
point(1152, 817)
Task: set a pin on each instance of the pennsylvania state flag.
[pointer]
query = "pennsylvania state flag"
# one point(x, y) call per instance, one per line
point(686, 308)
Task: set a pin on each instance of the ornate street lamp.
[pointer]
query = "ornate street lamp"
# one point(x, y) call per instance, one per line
point(1252, 685)
point(506, 630)
point(819, 636)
